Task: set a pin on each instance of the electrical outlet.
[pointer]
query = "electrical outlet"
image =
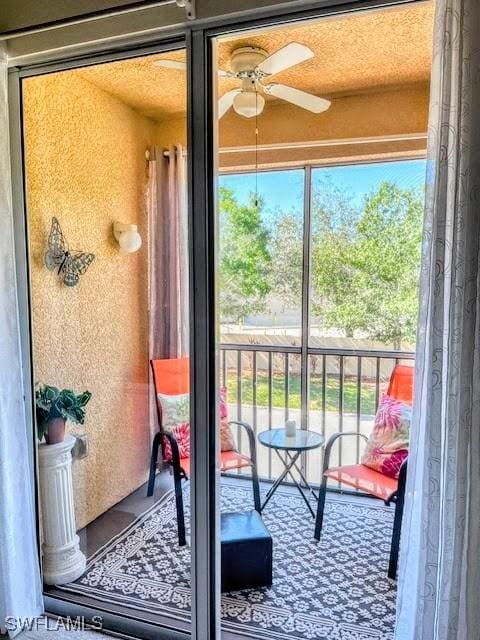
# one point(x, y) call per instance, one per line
point(80, 448)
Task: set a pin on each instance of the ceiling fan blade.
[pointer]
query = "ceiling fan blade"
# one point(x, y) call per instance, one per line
point(288, 56)
point(300, 98)
point(171, 64)
point(226, 101)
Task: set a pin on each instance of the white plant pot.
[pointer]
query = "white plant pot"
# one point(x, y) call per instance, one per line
point(62, 559)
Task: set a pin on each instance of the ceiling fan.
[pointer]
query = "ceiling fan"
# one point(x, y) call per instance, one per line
point(253, 67)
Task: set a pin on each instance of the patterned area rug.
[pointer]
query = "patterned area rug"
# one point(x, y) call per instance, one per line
point(337, 589)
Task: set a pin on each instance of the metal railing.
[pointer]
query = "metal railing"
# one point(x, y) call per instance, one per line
point(342, 387)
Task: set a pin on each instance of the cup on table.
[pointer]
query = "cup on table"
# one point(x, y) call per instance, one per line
point(290, 428)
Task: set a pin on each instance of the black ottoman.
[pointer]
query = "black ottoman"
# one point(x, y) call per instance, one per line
point(246, 551)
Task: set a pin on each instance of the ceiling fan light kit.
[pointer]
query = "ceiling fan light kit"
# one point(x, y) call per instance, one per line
point(253, 66)
point(248, 102)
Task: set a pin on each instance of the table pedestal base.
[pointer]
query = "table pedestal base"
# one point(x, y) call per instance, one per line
point(290, 463)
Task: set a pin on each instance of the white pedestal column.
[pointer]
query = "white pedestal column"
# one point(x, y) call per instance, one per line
point(62, 559)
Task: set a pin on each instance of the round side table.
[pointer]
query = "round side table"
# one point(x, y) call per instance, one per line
point(292, 447)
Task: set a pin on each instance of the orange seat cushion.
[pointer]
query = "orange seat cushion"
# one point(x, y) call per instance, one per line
point(233, 460)
point(364, 479)
point(229, 460)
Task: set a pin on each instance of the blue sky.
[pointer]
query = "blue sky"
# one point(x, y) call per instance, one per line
point(284, 189)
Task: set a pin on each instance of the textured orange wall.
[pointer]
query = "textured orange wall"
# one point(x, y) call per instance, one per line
point(382, 113)
point(393, 112)
point(85, 164)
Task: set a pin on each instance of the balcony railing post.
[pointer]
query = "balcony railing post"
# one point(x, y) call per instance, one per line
point(377, 382)
point(239, 398)
point(359, 404)
point(324, 392)
point(254, 391)
point(287, 385)
point(270, 403)
point(224, 354)
point(340, 405)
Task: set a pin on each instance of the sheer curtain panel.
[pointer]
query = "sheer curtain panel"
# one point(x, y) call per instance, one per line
point(168, 260)
point(20, 584)
point(440, 568)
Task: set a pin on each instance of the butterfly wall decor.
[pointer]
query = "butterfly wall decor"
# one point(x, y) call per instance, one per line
point(70, 265)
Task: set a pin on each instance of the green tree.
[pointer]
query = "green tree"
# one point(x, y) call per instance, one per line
point(286, 250)
point(244, 258)
point(365, 263)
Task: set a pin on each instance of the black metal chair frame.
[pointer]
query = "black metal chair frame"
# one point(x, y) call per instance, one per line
point(179, 473)
point(397, 497)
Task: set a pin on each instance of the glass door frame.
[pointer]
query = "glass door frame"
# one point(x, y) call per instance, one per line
point(204, 135)
point(126, 622)
point(199, 38)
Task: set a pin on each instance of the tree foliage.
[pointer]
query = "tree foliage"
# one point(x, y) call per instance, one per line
point(364, 267)
point(244, 257)
point(287, 259)
point(365, 263)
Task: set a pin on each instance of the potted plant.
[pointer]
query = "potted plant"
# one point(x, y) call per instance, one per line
point(55, 407)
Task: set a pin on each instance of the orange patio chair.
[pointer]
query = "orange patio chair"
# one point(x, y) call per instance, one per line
point(367, 480)
point(171, 377)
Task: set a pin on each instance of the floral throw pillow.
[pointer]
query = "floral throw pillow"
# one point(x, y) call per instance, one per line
point(175, 410)
point(181, 433)
point(176, 421)
point(387, 446)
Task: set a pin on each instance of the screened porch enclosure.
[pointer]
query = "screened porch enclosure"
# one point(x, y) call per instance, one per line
point(317, 241)
point(318, 298)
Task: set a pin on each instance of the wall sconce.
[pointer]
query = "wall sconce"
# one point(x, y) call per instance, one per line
point(127, 237)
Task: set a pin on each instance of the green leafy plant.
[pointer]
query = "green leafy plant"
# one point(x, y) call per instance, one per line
point(366, 261)
point(55, 403)
point(244, 258)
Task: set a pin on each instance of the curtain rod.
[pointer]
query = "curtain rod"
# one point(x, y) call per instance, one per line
point(165, 153)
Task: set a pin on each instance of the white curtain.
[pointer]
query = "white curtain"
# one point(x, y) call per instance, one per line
point(440, 561)
point(20, 584)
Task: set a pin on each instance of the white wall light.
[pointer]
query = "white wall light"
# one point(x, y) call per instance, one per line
point(127, 237)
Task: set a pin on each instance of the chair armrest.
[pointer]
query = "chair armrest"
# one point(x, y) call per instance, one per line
point(402, 482)
point(251, 439)
point(331, 441)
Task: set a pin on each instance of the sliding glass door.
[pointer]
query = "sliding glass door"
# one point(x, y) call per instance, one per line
point(318, 217)
point(217, 247)
point(110, 257)
point(115, 278)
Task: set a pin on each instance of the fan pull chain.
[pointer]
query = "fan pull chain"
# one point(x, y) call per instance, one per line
point(256, 150)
